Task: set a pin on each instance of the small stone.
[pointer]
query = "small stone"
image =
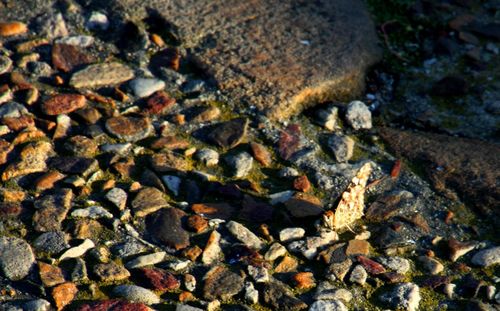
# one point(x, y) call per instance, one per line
point(241, 164)
point(158, 279)
point(181, 307)
point(303, 205)
point(221, 283)
point(206, 114)
point(147, 201)
point(327, 118)
point(212, 252)
point(302, 183)
point(32, 159)
point(63, 294)
point(5, 65)
point(288, 172)
point(458, 249)
point(358, 275)
point(274, 252)
point(110, 272)
point(229, 134)
point(81, 146)
point(118, 197)
point(51, 210)
point(100, 254)
point(328, 291)
point(169, 143)
point(16, 258)
point(129, 128)
point(189, 282)
point(75, 165)
point(341, 146)
point(173, 183)
point(371, 266)
point(166, 228)
point(251, 294)
point(159, 103)
point(143, 87)
point(340, 269)
point(12, 110)
point(79, 40)
point(290, 234)
point(214, 210)
point(8, 29)
point(304, 280)
point(63, 126)
point(397, 264)
point(89, 115)
point(289, 141)
point(261, 154)
point(287, 264)
point(209, 157)
point(98, 75)
point(244, 235)
point(357, 247)
point(449, 290)
point(487, 257)
point(136, 294)
point(51, 242)
point(66, 57)
point(77, 251)
point(358, 115)
point(79, 271)
point(167, 162)
point(47, 180)
point(405, 296)
point(278, 296)
point(258, 274)
point(328, 305)
point(97, 21)
point(51, 25)
point(146, 260)
point(192, 253)
point(93, 212)
point(431, 265)
point(50, 275)
point(197, 223)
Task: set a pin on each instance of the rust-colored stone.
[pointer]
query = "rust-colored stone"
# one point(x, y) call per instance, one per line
point(159, 103)
point(197, 224)
point(8, 29)
point(302, 183)
point(63, 103)
point(65, 57)
point(63, 294)
point(304, 280)
point(47, 180)
point(261, 154)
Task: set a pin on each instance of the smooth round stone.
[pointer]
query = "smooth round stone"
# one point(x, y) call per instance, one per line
point(129, 128)
point(136, 294)
point(143, 87)
point(16, 258)
point(97, 21)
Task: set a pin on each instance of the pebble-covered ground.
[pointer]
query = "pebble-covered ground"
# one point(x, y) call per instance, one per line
point(129, 183)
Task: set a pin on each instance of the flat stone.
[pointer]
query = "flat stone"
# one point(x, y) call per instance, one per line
point(229, 134)
point(136, 294)
point(16, 258)
point(52, 242)
point(213, 251)
point(328, 305)
point(66, 57)
point(98, 75)
point(109, 272)
point(146, 260)
point(397, 264)
point(214, 210)
point(32, 159)
point(147, 201)
point(167, 162)
point(51, 210)
point(74, 165)
point(118, 197)
point(63, 294)
point(278, 296)
point(405, 296)
point(50, 275)
point(78, 250)
point(8, 29)
point(80, 145)
point(166, 228)
point(487, 257)
point(289, 141)
point(371, 266)
point(221, 283)
point(143, 87)
point(170, 143)
point(304, 205)
point(93, 212)
point(357, 247)
point(244, 235)
point(79, 40)
point(328, 291)
point(158, 279)
point(48, 180)
point(129, 128)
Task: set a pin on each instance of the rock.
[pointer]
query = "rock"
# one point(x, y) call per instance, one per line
point(244, 235)
point(302, 183)
point(475, 182)
point(5, 65)
point(146, 260)
point(52, 242)
point(77, 251)
point(79, 40)
point(304, 280)
point(129, 128)
point(16, 258)
point(167, 162)
point(290, 234)
point(63, 294)
point(404, 295)
point(118, 197)
point(8, 29)
point(51, 210)
point(32, 159)
point(340, 269)
point(166, 228)
point(327, 117)
point(173, 183)
point(431, 265)
point(487, 257)
point(279, 297)
point(158, 279)
point(181, 307)
point(78, 272)
point(81, 146)
point(197, 224)
point(97, 21)
point(251, 294)
point(51, 25)
point(114, 304)
point(358, 275)
point(67, 57)
point(136, 294)
point(221, 283)
point(287, 264)
point(209, 157)
point(63, 126)
point(143, 87)
point(261, 154)
point(274, 252)
point(397, 264)
point(93, 212)
point(341, 146)
point(98, 75)
point(328, 291)
point(371, 266)
point(303, 205)
point(358, 115)
point(50, 275)
point(148, 200)
point(241, 164)
point(258, 274)
point(12, 110)
point(289, 141)
point(328, 305)
point(229, 134)
point(159, 103)
point(214, 210)
point(357, 247)
point(213, 251)
point(48, 180)
point(74, 165)
point(110, 272)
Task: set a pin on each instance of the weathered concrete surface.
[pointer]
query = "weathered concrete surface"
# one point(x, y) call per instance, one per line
point(281, 56)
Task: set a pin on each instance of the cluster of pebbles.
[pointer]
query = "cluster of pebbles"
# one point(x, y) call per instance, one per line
point(125, 188)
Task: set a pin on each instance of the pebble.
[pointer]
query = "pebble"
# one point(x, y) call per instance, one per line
point(178, 265)
point(328, 305)
point(278, 296)
point(328, 117)
point(221, 283)
point(274, 252)
point(110, 272)
point(357, 247)
point(431, 265)
point(358, 115)
point(189, 282)
point(404, 296)
point(143, 87)
point(229, 134)
point(148, 200)
point(51, 242)
point(67, 57)
point(130, 129)
point(290, 234)
point(51, 210)
point(16, 258)
point(98, 75)
point(80, 145)
point(136, 294)
point(158, 279)
point(93, 212)
point(397, 264)
point(167, 229)
point(261, 154)
point(63, 294)
point(118, 197)
point(146, 260)
point(304, 280)
point(328, 291)
point(358, 275)
point(159, 103)
point(449, 290)
point(75, 165)
point(8, 29)
point(341, 146)
point(258, 274)
point(209, 157)
point(487, 257)
point(287, 172)
point(173, 183)
point(241, 164)
point(213, 251)
point(79, 40)
point(77, 251)
point(50, 275)
point(181, 307)
point(97, 21)
point(244, 235)
point(5, 64)
point(51, 25)
point(12, 110)
point(251, 294)
point(121, 149)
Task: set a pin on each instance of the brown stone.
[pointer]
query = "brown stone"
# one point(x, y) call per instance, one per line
point(229, 134)
point(457, 249)
point(261, 154)
point(206, 114)
point(167, 162)
point(197, 224)
point(186, 296)
point(8, 29)
point(302, 183)
point(63, 294)
point(51, 210)
point(358, 247)
point(159, 103)
point(129, 128)
point(214, 210)
point(169, 142)
point(47, 180)
point(50, 275)
point(109, 272)
point(63, 103)
point(89, 115)
point(304, 205)
point(65, 57)
point(17, 124)
point(192, 253)
point(304, 280)
point(86, 229)
point(5, 148)
point(289, 141)
point(370, 266)
point(287, 264)
point(147, 201)
point(32, 159)
point(166, 228)
point(158, 279)
point(11, 195)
